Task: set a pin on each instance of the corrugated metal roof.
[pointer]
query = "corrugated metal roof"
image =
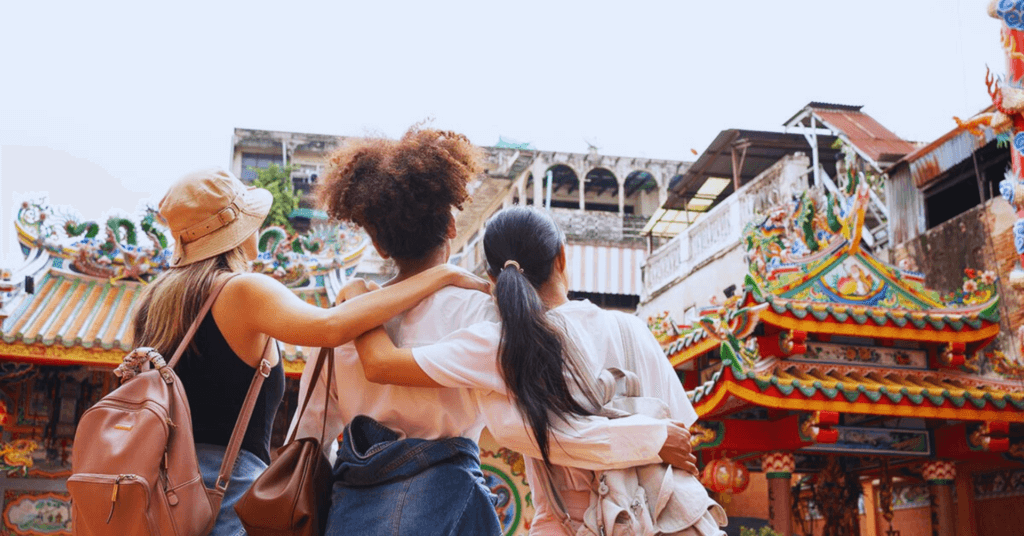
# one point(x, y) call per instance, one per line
point(865, 132)
point(939, 156)
point(78, 312)
point(763, 149)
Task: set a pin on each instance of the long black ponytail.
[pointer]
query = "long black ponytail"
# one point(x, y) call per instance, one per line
point(521, 245)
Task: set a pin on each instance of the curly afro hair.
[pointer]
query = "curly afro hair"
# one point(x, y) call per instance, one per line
point(401, 191)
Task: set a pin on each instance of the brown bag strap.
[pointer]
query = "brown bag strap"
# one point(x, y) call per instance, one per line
point(326, 354)
point(214, 292)
point(235, 443)
point(262, 371)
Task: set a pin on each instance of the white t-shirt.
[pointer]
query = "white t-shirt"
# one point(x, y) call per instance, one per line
point(467, 358)
point(420, 412)
point(433, 413)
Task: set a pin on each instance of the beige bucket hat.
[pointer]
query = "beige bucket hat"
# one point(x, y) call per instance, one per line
point(209, 212)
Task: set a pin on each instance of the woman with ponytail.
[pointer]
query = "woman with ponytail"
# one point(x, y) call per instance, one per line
point(412, 446)
point(538, 364)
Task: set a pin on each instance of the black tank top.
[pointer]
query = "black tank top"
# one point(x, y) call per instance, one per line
point(216, 381)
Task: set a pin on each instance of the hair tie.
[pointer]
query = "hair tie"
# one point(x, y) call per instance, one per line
point(511, 262)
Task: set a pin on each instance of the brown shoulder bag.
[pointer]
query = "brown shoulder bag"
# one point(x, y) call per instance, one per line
point(293, 495)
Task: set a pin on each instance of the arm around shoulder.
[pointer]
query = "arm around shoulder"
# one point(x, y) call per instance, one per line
point(275, 310)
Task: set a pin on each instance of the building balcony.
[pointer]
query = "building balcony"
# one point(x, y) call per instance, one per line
point(720, 230)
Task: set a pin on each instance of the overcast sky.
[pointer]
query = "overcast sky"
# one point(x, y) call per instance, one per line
point(103, 104)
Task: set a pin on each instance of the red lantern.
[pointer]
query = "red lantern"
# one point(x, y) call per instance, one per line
point(725, 476)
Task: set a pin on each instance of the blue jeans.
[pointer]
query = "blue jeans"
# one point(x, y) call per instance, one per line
point(389, 487)
point(247, 468)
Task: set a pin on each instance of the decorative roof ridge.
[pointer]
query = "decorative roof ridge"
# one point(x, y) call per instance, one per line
point(808, 251)
point(966, 310)
point(130, 251)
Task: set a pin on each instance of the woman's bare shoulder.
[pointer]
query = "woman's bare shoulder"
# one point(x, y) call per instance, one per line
point(246, 286)
point(253, 281)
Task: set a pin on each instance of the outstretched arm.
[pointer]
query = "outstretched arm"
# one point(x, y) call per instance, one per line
point(385, 363)
point(289, 319)
point(594, 443)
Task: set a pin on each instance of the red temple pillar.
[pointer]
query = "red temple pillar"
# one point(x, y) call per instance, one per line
point(778, 469)
point(940, 475)
point(1008, 96)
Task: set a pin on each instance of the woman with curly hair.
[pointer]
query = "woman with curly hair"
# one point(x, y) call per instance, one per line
point(409, 463)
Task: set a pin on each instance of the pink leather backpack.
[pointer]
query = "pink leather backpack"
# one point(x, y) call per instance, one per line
point(134, 465)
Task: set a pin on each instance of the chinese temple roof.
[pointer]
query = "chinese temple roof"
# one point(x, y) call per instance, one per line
point(682, 343)
point(823, 326)
point(808, 269)
point(898, 393)
point(82, 290)
point(807, 264)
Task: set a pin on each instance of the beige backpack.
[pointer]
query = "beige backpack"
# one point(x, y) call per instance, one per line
point(134, 465)
point(647, 500)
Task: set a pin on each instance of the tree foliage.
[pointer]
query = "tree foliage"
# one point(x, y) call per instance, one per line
point(278, 181)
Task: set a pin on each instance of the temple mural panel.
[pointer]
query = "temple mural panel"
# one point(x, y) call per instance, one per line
point(505, 474)
point(31, 513)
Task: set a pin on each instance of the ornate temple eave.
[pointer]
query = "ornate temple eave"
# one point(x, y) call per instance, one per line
point(74, 319)
point(879, 323)
point(59, 354)
point(691, 352)
point(928, 397)
point(685, 343)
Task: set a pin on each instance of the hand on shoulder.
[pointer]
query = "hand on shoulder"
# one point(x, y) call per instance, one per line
point(460, 277)
point(355, 287)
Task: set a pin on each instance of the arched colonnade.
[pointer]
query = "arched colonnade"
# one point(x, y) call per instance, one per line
point(618, 177)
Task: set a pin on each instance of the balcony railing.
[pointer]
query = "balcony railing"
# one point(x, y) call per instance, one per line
point(721, 229)
point(597, 226)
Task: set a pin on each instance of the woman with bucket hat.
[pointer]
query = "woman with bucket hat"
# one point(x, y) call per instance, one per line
point(214, 220)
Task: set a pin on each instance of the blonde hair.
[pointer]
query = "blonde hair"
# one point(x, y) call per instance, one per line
point(169, 305)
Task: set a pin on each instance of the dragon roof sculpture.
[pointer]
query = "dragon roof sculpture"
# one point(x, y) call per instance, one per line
point(84, 278)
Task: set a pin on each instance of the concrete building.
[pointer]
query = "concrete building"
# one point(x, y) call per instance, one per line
point(601, 201)
point(759, 169)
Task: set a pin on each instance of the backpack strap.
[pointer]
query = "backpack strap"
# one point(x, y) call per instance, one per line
point(262, 371)
point(235, 443)
point(214, 292)
point(629, 349)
